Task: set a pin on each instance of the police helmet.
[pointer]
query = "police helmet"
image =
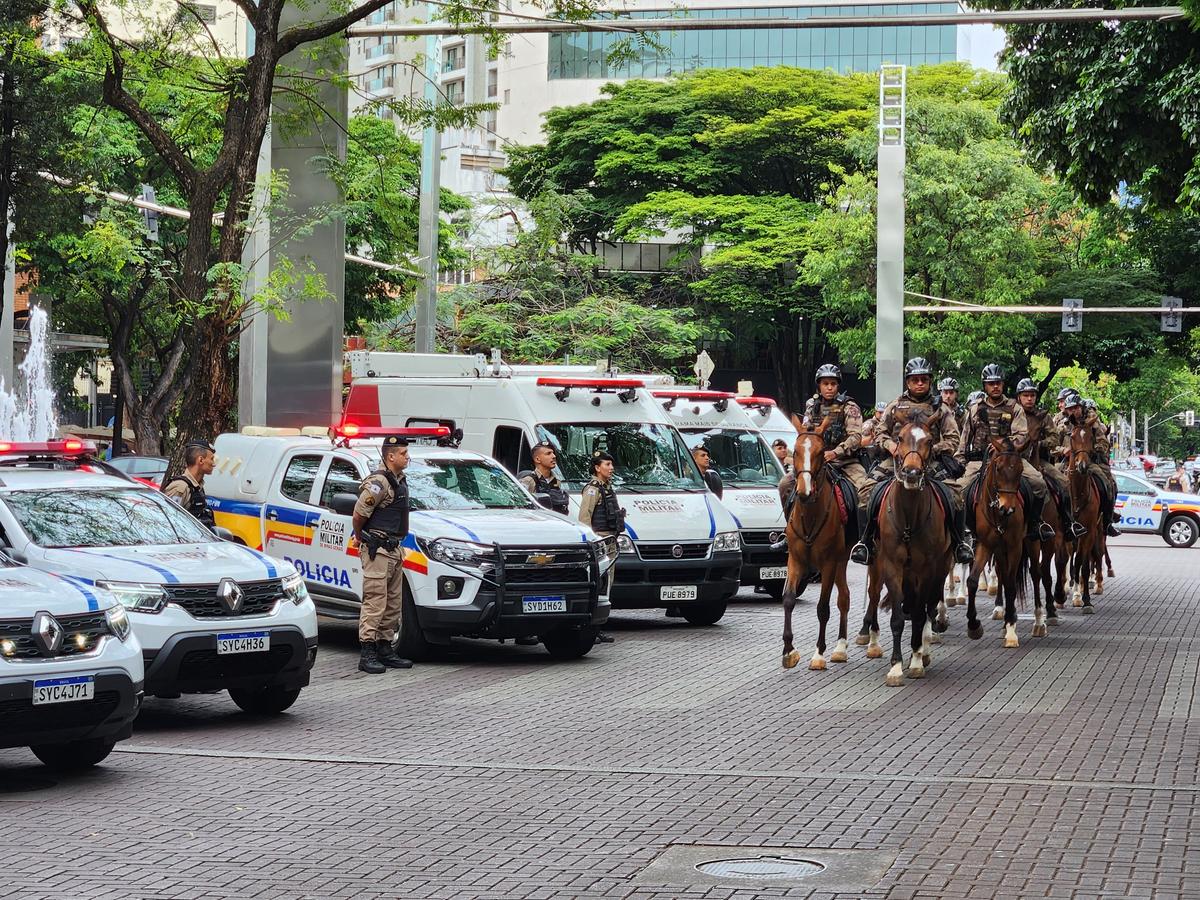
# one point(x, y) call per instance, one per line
point(1089, 403)
point(880, 406)
point(598, 457)
point(1072, 399)
point(1065, 393)
point(918, 365)
point(974, 396)
point(829, 370)
point(1025, 385)
point(948, 384)
point(992, 372)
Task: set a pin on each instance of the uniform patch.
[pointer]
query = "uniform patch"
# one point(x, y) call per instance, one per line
point(375, 487)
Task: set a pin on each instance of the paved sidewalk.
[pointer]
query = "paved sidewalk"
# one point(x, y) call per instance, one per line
point(1066, 768)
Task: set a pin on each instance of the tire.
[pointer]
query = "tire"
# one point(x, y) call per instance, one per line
point(269, 700)
point(709, 613)
point(411, 642)
point(774, 590)
point(74, 756)
point(1181, 531)
point(570, 643)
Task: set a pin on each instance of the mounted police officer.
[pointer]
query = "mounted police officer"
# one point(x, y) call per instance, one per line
point(868, 453)
point(542, 482)
point(948, 388)
point(598, 506)
point(972, 398)
point(1044, 440)
point(380, 524)
point(1060, 417)
point(997, 416)
point(187, 488)
point(1077, 416)
point(917, 401)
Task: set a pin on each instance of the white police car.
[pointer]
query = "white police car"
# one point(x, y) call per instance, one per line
point(210, 615)
point(1144, 508)
point(70, 668)
point(482, 559)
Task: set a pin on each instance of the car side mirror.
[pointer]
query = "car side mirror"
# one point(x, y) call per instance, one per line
point(343, 504)
point(225, 534)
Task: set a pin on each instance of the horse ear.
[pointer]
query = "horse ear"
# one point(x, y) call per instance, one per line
point(797, 423)
point(821, 428)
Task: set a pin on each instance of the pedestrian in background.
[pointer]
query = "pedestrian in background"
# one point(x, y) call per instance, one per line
point(783, 453)
point(542, 482)
point(711, 478)
point(187, 488)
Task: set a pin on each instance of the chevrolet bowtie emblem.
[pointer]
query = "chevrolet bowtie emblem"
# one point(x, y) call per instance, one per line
point(231, 595)
point(540, 559)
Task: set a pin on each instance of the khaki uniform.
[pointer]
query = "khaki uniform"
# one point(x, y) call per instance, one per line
point(843, 435)
point(938, 421)
point(989, 419)
point(604, 519)
point(180, 489)
point(383, 577)
point(1044, 440)
point(1098, 465)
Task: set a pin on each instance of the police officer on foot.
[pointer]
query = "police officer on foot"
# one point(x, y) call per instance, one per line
point(598, 506)
point(783, 453)
point(704, 464)
point(380, 524)
point(187, 488)
point(542, 482)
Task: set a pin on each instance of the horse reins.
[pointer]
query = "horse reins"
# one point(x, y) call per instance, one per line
point(993, 492)
point(809, 536)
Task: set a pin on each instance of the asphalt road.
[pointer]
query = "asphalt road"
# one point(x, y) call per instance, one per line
point(1064, 768)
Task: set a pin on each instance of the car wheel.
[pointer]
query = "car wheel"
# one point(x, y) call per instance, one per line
point(709, 613)
point(1181, 531)
point(269, 700)
point(411, 642)
point(570, 643)
point(74, 756)
point(774, 589)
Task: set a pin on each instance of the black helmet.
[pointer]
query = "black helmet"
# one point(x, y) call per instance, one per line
point(1065, 393)
point(992, 372)
point(829, 370)
point(918, 365)
point(1025, 385)
point(1089, 403)
point(973, 397)
point(948, 384)
point(1072, 399)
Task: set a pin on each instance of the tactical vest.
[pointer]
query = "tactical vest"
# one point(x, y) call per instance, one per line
point(960, 416)
point(607, 517)
point(391, 519)
point(906, 407)
point(1036, 420)
point(990, 422)
point(198, 505)
point(558, 501)
point(818, 409)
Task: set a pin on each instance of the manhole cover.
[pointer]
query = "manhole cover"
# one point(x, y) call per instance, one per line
point(761, 867)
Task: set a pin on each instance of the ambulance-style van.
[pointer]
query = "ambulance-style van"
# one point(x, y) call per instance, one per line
point(681, 549)
point(768, 418)
point(748, 469)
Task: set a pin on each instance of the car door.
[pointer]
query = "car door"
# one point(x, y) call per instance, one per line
point(290, 515)
point(1138, 504)
point(336, 573)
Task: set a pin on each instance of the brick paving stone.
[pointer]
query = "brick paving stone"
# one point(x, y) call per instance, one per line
point(1066, 768)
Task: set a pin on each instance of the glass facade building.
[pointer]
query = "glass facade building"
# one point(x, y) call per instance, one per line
point(841, 49)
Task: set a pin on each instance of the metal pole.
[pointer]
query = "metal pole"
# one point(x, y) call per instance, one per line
point(427, 236)
point(889, 222)
point(8, 304)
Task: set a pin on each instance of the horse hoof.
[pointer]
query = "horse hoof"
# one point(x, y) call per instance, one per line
point(1099, 591)
point(1039, 630)
point(993, 589)
point(935, 638)
point(838, 656)
point(874, 652)
point(862, 640)
point(916, 671)
point(1060, 603)
point(1111, 574)
point(817, 663)
point(998, 614)
point(1011, 643)
point(975, 632)
point(1077, 602)
point(1088, 610)
point(790, 659)
point(894, 680)
point(952, 601)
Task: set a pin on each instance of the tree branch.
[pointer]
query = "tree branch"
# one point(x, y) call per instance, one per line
point(305, 34)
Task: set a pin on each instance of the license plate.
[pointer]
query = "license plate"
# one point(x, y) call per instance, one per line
point(771, 573)
point(243, 642)
point(677, 592)
point(544, 604)
point(64, 690)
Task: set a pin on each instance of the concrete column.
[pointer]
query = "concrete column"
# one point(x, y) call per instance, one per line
point(889, 222)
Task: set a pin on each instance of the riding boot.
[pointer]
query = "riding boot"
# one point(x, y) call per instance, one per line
point(1110, 517)
point(1072, 528)
point(368, 660)
point(387, 656)
point(862, 552)
point(964, 553)
point(1036, 529)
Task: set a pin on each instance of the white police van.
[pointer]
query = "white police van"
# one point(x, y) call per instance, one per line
point(70, 668)
point(482, 559)
point(210, 614)
point(681, 549)
point(769, 419)
point(1144, 508)
point(748, 469)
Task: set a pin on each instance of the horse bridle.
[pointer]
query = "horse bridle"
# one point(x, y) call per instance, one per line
point(994, 492)
point(899, 467)
point(810, 536)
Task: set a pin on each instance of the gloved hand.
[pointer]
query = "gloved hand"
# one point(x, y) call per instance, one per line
point(953, 467)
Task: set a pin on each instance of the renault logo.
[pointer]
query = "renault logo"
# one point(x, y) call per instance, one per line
point(231, 595)
point(540, 559)
point(677, 551)
point(48, 633)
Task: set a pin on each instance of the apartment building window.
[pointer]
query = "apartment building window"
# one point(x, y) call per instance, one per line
point(454, 59)
point(493, 82)
point(455, 91)
point(507, 96)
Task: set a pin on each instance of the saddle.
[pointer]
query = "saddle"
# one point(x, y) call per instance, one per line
point(941, 494)
point(971, 497)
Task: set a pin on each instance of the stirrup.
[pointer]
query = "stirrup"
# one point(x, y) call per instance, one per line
point(861, 554)
point(1077, 530)
point(963, 553)
point(1113, 530)
point(1045, 531)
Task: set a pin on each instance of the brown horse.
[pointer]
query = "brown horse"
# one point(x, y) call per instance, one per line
point(1048, 566)
point(816, 541)
point(1000, 537)
point(1085, 505)
point(913, 556)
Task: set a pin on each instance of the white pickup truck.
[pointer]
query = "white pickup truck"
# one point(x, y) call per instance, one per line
point(482, 558)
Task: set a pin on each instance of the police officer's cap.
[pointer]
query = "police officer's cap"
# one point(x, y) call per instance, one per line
point(543, 445)
point(200, 443)
point(779, 442)
point(395, 440)
point(600, 456)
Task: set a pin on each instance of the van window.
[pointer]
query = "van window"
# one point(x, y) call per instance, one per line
point(342, 478)
point(299, 477)
point(648, 457)
point(511, 448)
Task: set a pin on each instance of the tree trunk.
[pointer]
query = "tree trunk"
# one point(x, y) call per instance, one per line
point(786, 358)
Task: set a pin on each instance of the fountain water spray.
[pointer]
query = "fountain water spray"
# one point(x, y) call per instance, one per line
point(27, 412)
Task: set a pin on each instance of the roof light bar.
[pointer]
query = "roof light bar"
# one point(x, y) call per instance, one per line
point(67, 447)
point(686, 394)
point(755, 401)
point(611, 383)
point(351, 430)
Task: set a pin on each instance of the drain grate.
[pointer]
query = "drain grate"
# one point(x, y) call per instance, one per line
point(761, 867)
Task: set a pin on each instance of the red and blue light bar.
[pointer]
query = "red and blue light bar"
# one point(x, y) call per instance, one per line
point(353, 431)
point(756, 401)
point(66, 447)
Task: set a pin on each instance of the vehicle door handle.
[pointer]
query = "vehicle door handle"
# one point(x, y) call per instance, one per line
point(273, 515)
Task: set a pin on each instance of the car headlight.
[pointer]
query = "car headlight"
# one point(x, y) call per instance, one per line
point(118, 622)
point(625, 544)
point(606, 550)
point(148, 598)
point(460, 553)
point(295, 589)
point(727, 541)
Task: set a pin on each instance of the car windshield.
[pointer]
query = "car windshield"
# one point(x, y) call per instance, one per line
point(117, 517)
point(646, 457)
point(742, 458)
point(462, 484)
